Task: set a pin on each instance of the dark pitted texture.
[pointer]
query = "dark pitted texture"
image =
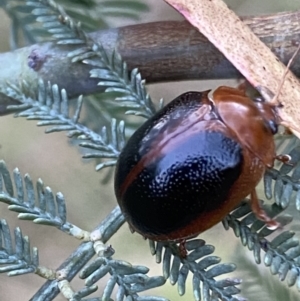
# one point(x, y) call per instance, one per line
point(174, 169)
point(190, 180)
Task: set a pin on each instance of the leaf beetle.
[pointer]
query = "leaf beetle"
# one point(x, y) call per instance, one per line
point(194, 161)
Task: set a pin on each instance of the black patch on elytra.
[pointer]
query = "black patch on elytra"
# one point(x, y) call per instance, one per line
point(190, 180)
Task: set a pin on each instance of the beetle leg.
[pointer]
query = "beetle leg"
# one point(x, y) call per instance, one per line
point(261, 213)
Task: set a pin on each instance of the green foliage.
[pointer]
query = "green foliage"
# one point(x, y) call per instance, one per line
point(259, 282)
point(16, 259)
point(110, 69)
point(130, 279)
point(50, 106)
point(93, 14)
point(282, 253)
point(286, 188)
point(50, 211)
point(204, 267)
point(52, 109)
point(43, 209)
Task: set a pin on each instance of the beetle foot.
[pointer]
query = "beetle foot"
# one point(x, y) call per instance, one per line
point(182, 249)
point(285, 159)
point(261, 214)
point(131, 228)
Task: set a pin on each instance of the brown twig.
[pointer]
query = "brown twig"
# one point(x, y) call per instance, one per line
point(163, 51)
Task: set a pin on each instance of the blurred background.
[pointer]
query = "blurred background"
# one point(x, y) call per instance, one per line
point(59, 164)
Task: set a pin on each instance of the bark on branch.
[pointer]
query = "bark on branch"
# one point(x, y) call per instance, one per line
point(163, 51)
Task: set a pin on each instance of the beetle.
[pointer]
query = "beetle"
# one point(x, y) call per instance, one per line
point(194, 161)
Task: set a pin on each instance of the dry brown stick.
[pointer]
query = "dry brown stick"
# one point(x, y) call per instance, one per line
point(246, 52)
point(175, 50)
point(163, 51)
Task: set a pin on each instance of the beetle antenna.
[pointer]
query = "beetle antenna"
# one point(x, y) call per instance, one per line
point(274, 101)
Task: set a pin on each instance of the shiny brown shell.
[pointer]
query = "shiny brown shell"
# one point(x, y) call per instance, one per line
point(193, 162)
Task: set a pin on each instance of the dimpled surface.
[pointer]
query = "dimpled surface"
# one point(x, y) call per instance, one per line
point(191, 174)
